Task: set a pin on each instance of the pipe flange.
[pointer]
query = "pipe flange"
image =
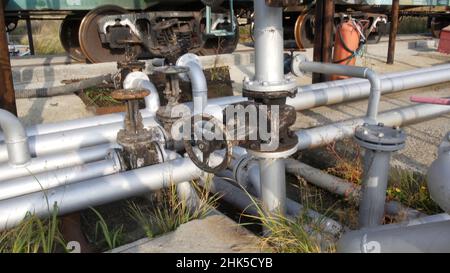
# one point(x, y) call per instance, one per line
point(184, 60)
point(380, 138)
point(240, 170)
point(114, 156)
point(288, 85)
point(295, 66)
point(273, 155)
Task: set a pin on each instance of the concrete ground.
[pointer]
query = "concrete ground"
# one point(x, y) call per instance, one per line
point(214, 234)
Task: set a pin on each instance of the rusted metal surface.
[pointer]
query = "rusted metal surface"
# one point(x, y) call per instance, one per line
point(128, 94)
point(7, 94)
point(393, 31)
point(323, 38)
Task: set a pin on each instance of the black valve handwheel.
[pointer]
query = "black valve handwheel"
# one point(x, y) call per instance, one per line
point(206, 146)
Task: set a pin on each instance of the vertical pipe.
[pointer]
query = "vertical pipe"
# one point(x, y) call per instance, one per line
point(7, 95)
point(393, 31)
point(375, 179)
point(30, 35)
point(273, 185)
point(269, 44)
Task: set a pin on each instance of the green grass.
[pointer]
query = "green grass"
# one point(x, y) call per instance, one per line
point(284, 234)
point(112, 237)
point(411, 190)
point(171, 212)
point(33, 235)
point(100, 96)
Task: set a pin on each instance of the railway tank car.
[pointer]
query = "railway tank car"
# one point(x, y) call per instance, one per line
point(105, 30)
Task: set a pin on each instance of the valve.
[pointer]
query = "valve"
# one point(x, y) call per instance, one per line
point(208, 135)
point(140, 147)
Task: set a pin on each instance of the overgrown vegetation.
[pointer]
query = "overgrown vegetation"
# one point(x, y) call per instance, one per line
point(112, 237)
point(45, 36)
point(348, 164)
point(34, 235)
point(283, 234)
point(101, 96)
point(171, 212)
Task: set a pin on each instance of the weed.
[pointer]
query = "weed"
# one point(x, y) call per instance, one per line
point(348, 164)
point(112, 238)
point(33, 235)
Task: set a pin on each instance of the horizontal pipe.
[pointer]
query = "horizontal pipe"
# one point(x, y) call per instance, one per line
point(49, 180)
point(55, 162)
point(16, 141)
point(426, 237)
point(242, 200)
point(90, 193)
point(341, 187)
point(361, 89)
point(324, 135)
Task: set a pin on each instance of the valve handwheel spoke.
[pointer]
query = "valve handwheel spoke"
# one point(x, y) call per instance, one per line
point(198, 146)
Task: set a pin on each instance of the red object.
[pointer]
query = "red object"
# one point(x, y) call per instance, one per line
point(441, 101)
point(444, 42)
point(346, 44)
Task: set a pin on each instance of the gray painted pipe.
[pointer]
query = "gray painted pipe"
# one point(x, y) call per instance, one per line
point(98, 191)
point(361, 89)
point(198, 81)
point(374, 187)
point(419, 72)
point(140, 80)
point(55, 162)
point(324, 135)
point(352, 71)
point(16, 141)
point(428, 237)
point(269, 43)
point(343, 188)
point(273, 185)
point(242, 200)
point(52, 179)
point(310, 96)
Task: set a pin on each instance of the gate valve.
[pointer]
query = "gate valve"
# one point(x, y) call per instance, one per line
point(139, 147)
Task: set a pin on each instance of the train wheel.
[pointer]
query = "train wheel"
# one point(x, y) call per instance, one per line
point(90, 43)
point(304, 30)
point(68, 35)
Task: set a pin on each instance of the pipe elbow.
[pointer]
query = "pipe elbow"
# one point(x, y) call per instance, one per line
point(140, 80)
point(16, 139)
point(374, 79)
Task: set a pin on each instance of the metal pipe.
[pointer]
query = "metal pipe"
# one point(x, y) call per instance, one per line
point(140, 80)
point(198, 81)
point(324, 135)
point(360, 89)
point(345, 70)
point(49, 180)
point(339, 186)
point(55, 162)
point(98, 191)
point(273, 185)
point(269, 43)
point(420, 237)
point(243, 201)
point(374, 187)
point(16, 141)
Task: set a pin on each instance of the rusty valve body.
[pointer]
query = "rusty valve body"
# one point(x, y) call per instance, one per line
point(139, 149)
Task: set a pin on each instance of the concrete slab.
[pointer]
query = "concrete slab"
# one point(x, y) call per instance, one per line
point(49, 110)
point(214, 234)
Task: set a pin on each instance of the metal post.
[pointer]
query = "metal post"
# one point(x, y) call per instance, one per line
point(379, 143)
point(393, 31)
point(323, 40)
point(30, 35)
point(7, 95)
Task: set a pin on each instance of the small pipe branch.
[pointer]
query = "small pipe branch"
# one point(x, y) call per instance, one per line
point(16, 139)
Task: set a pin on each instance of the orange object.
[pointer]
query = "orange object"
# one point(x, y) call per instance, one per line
point(346, 45)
